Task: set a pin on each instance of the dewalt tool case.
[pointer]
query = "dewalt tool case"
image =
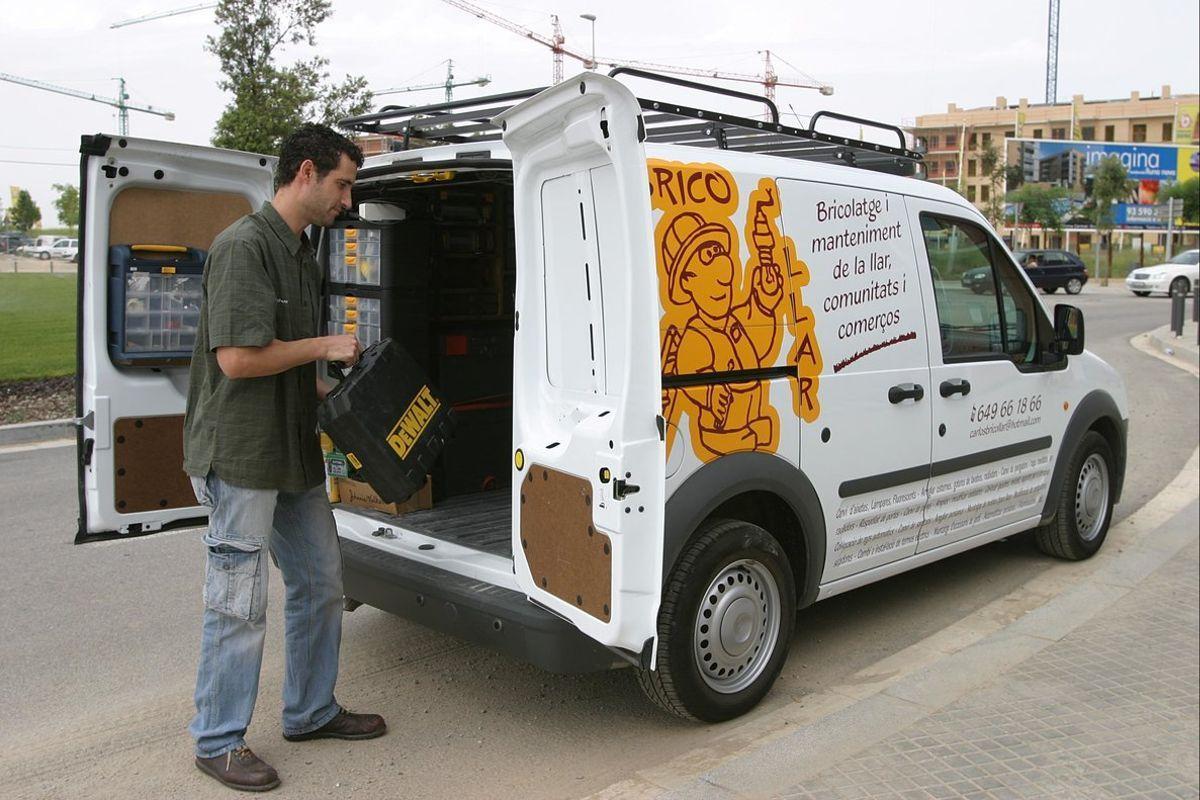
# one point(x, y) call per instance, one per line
point(388, 420)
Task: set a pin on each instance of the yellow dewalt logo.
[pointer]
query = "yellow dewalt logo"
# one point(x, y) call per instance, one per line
point(412, 423)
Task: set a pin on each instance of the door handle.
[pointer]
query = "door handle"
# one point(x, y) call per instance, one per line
point(956, 386)
point(905, 391)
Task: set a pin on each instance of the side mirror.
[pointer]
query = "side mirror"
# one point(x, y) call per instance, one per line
point(1068, 330)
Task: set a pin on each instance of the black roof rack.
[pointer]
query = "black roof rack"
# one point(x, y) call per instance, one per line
point(470, 120)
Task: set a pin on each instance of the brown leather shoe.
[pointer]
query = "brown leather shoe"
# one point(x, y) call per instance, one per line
point(240, 769)
point(346, 725)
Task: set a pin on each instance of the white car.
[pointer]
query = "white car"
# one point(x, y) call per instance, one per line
point(40, 243)
point(59, 248)
point(1177, 276)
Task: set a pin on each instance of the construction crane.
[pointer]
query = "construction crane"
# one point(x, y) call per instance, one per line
point(448, 84)
point(554, 42)
point(1052, 54)
point(118, 102)
point(768, 80)
point(162, 14)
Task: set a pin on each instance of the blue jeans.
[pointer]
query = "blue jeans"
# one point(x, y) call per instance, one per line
point(298, 530)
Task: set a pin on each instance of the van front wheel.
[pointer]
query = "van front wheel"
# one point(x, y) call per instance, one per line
point(724, 624)
point(1085, 503)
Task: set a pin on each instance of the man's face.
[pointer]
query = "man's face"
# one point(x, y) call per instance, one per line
point(327, 196)
point(708, 277)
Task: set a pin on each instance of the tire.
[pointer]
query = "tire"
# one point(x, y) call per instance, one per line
point(737, 573)
point(1180, 287)
point(44, 255)
point(1142, 294)
point(1049, 289)
point(1074, 286)
point(1085, 503)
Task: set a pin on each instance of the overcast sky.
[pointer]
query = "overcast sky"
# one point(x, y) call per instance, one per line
point(887, 60)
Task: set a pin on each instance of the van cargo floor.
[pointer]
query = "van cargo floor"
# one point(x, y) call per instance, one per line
point(480, 521)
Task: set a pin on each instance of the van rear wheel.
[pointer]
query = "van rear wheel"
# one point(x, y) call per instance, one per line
point(1085, 503)
point(724, 624)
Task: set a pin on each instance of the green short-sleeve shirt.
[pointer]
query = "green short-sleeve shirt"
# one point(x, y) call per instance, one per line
point(261, 283)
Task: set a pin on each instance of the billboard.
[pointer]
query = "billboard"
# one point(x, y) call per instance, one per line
point(1186, 129)
point(1070, 164)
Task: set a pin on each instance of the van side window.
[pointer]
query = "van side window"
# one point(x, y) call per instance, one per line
point(984, 309)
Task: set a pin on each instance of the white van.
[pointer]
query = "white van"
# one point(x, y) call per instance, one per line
point(730, 364)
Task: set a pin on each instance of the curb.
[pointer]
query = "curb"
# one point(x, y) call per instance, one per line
point(29, 432)
point(1180, 347)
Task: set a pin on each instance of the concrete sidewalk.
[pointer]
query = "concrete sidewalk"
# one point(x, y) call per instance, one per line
point(1110, 710)
point(1093, 693)
point(1185, 348)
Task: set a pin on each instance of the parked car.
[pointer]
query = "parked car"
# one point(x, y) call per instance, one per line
point(10, 241)
point(59, 248)
point(1177, 276)
point(1051, 270)
point(32, 247)
point(686, 434)
point(979, 280)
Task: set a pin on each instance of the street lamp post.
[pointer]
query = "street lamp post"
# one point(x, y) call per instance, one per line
point(592, 19)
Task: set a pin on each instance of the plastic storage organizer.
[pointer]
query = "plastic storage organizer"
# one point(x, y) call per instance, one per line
point(154, 303)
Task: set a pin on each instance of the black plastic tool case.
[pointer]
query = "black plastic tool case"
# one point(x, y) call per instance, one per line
point(388, 420)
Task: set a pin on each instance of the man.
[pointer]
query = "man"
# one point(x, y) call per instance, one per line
point(719, 336)
point(251, 449)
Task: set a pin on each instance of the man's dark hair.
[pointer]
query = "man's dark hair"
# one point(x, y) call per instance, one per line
point(318, 143)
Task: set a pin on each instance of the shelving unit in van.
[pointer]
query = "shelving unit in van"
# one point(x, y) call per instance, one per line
point(470, 120)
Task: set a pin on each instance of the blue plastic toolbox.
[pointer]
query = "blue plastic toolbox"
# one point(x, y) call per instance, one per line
point(154, 303)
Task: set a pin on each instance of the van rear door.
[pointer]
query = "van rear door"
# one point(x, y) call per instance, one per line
point(589, 463)
point(136, 324)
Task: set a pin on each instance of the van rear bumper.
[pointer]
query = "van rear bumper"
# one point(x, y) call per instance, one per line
point(479, 612)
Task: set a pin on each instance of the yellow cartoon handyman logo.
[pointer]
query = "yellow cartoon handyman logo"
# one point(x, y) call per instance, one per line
point(720, 318)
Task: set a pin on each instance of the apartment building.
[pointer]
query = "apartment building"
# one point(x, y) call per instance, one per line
point(954, 140)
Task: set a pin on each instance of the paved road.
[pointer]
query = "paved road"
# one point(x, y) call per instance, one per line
point(100, 645)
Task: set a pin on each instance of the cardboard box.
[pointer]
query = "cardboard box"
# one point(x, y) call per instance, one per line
point(357, 493)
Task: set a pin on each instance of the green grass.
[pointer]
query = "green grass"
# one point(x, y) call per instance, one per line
point(1124, 261)
point(37, 326)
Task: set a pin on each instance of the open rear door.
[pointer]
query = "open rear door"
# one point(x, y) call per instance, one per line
point(150, 212)
point(590, 457)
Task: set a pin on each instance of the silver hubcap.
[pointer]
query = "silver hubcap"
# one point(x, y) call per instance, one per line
point(1074, 286)
point(736, 626)
point(1091, 497)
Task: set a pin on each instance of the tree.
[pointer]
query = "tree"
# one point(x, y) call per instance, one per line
point(271, 100)
point(24, 213)
point(1040, 204)
point(1189, 192)
point(993, 169)
point(1110, 184)
point(67, 205)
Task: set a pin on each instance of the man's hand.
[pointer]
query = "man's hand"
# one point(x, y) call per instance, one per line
point(342, 348)
point(719, 398)
point(767, 282)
